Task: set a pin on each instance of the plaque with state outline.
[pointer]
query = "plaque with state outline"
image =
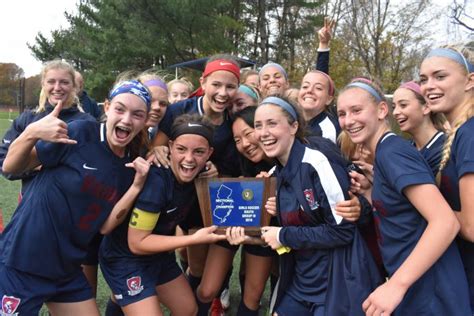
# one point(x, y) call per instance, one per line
point(227, 202)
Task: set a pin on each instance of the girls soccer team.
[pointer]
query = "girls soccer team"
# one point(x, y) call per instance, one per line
point(421, 194)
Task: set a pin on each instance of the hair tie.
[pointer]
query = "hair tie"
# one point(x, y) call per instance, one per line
point(331, 83)
point(271, 64)
point(156, 83)
point(281, 103)
point(134, 87)
point(221, 64)
point(453, 55)
point(367, 88)
point(194, 128)
point(248, 91)
point(413, 86)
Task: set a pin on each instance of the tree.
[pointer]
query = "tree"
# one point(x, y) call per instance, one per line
point(10, 75)
point(380, 39)
point(460, 17)
point(107, 37)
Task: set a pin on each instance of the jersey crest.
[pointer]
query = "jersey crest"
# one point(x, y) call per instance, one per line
point(134, 285)
point(9, 305)
point(309, 196)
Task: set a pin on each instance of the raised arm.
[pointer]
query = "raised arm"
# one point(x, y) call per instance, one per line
point(21, 155)
point(125, 204)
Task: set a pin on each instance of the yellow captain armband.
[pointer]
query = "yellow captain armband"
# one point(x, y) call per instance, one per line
point(283, 249)
point(143, 220)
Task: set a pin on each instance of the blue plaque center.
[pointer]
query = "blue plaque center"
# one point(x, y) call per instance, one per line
point(236, 203)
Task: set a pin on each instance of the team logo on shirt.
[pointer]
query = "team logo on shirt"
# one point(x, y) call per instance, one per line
point(134, 285)
point(309, 196)
point(9, 305)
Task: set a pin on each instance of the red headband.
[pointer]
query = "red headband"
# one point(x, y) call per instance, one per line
point(221, 64)
point(331, 83)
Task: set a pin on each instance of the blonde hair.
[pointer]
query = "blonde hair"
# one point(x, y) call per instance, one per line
point(466, 113)
point(151, 74)
point(183, 81)
point(63, 65)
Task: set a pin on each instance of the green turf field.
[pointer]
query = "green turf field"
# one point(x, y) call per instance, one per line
point(8, 201)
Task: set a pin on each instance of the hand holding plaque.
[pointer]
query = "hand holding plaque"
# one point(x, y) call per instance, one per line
point(227, 202)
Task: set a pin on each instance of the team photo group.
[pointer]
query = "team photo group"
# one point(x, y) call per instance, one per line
point(372, 211)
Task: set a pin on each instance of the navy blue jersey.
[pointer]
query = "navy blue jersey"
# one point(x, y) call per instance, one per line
point(460, 163)
point(18, 126)
point(432, 151)
point(70, 200)
point(161, 194)
point(442, 290)
point(225, 155)
point(325, 125)
point(329, 264)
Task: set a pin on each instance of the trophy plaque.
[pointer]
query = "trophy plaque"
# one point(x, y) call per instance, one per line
point(226, 202)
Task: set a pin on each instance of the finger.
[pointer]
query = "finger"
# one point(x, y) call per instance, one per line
point(57, 109)
point(66, 141)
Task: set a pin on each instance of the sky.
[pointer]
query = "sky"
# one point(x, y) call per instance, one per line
point(22, 20)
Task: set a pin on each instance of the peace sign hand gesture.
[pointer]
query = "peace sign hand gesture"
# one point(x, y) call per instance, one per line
point(325, 33)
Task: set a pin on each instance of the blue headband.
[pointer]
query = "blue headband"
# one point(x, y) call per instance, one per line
point(281, 103)
point(367, 88)
point(278, 66)
point(453, 55)
point(134, 87)
point(248, 91)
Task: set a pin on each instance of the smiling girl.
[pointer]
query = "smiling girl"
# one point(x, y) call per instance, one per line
point(415, 118)
point(140, 249)
point(86, 169)
point(310, 182)
point(416, 226)
point(447, 82)
point(57, 84)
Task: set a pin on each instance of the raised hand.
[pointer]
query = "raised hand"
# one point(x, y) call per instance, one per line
point(141, 167)
point(325, 33)
point(210, 171)
point(50, 128)
point(160, 156)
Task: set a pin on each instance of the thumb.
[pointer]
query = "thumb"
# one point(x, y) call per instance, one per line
point(57, 109)
point(351, 195)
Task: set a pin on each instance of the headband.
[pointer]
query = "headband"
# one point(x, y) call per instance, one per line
point(248, 91)
point(453, 55)
point(221, 64)
point(413, 86)
point(192, 128)
point(367, 88)
point(278, 66)
point(331, 83)
point(134, 87)
point(156, 83)
point(281, 103)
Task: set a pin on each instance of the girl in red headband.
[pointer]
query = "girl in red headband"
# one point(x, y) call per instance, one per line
point(219, 84)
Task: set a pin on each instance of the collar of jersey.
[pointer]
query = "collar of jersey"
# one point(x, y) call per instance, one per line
point(293, 164)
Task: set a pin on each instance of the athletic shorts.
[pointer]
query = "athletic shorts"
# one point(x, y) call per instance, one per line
point(260, 251)
point(290, 307)
point(92, 258)
point(134, 280)
point(24, 294)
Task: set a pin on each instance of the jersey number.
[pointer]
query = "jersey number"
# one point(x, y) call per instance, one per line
point(91, 215)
